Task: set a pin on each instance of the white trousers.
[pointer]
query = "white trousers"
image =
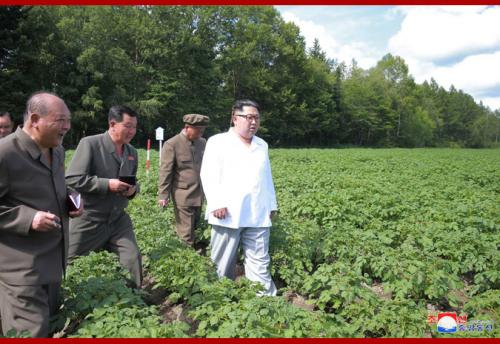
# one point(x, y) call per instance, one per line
point(255, 243)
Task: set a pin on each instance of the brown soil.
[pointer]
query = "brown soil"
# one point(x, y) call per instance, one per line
point(153, 296)
point(168, 310)
point(298, 300)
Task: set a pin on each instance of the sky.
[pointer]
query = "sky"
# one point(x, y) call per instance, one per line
point(455, 45)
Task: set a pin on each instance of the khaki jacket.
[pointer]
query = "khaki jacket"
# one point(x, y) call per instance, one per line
point(29, 184)
point(93, 164)
point(179, 174)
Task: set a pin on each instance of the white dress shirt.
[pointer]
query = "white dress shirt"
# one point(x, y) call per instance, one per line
point(238, 177)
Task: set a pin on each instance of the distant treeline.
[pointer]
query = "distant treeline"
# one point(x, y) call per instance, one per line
point(166, 61)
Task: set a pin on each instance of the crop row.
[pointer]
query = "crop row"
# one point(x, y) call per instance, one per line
point(374, 240)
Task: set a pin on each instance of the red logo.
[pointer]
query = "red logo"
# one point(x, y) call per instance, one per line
point(447, 322)
point(432, 319)
point(462, 319)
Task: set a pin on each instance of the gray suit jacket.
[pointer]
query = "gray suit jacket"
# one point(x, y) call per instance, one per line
point(94, 163)
point(29, 184)
point(179, 174)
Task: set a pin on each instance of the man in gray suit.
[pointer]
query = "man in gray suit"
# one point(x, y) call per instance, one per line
point(33, 216)
point(179, 175)
point(103, 170)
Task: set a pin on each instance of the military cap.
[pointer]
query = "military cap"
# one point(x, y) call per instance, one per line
point(196, 120)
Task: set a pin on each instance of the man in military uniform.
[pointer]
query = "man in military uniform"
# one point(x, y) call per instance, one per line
point(98, 164)
point(179, 175)
point(33, 216)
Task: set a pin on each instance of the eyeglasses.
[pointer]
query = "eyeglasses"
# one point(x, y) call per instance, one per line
point(250, 118)
point(128, 126)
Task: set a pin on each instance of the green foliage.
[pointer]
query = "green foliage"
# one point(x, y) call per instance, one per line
point(227, 309)
point(222, 308)
point(130, 322)
point(371, 239)
point(369, 234)
point(98, 302)
point(334, 286)
point(14, 334)
point(92, 282)
point(487, 303)
point(183, 271)
point(386, 318)
point(166, 61)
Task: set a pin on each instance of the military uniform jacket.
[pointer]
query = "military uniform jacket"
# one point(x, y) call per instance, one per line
point(94, 163)
point(29, 184)
point(179, 174)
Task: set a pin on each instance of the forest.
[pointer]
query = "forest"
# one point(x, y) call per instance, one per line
point(166, 61)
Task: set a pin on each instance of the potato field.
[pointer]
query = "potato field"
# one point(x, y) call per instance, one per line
point(368, 243)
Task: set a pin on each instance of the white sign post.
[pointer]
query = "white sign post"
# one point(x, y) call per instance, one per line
point(159, 137)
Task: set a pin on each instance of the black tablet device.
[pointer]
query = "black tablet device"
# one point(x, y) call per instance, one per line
point(130, 180)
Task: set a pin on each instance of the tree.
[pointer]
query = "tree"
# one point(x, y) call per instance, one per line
point(10, 97)
point(316, 52)
point(166, 61)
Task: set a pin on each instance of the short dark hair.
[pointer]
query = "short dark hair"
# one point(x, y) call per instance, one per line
point(240, 103)
point(5, 113)
point(116, 113)
point(238, 106)
point(37, 103)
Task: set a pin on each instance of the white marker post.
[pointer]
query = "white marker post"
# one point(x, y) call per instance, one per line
point(159, 137)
